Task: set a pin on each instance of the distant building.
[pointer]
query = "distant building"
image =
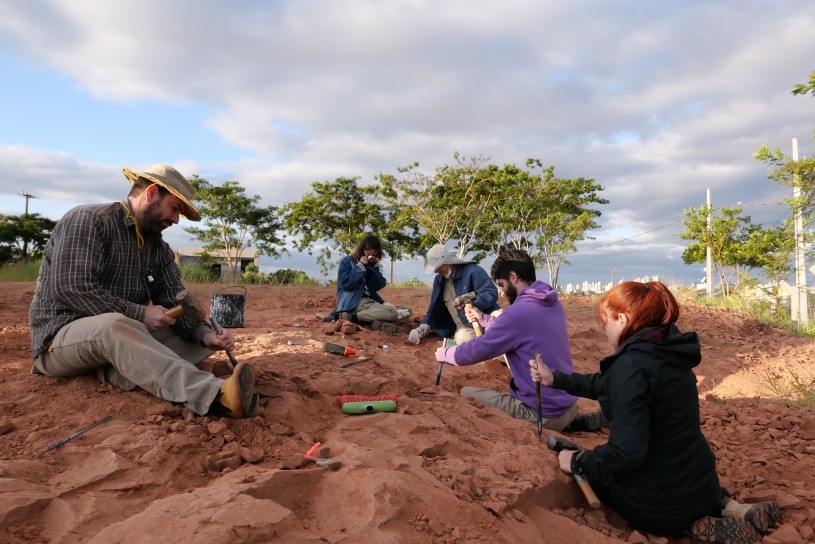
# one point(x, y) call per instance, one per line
point(218, 262)
point(597, 287)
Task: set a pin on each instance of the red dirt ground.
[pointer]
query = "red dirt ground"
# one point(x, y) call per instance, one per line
point(440, 469)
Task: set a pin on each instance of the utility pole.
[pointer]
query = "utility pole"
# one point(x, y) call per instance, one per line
point(28, 196)
point(802, 305)
point(613, 268)
point(709, 262)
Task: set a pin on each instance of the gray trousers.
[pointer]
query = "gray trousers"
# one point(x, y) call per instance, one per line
point(518, 409)
point(122, 351)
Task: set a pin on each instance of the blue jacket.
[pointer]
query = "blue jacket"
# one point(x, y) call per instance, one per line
point(352, 278)
point(534, 323)
point(466, 278)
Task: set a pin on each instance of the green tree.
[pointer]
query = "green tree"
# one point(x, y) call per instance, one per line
point(232, 222)
point(399, 230)
point(337, 214)
point(727, 233)
point(23, 236)
point(771, 251)
point(540, 213)
point(446, 206)
point(798, 174)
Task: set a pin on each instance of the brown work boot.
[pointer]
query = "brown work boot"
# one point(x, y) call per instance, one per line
point(588, 422)
point(237, 397)
point(723, 531)
point(761, 515)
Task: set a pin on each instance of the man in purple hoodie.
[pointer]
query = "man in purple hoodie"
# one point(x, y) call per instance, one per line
point(535, 322)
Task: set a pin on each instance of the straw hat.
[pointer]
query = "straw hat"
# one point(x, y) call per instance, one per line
point(439, 255)
point(172, 180)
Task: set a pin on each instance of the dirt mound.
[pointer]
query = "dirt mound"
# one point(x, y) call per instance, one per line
point(439, 469)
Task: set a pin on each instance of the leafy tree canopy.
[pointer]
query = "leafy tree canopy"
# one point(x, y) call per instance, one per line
point(23, 236)
point(233, 222)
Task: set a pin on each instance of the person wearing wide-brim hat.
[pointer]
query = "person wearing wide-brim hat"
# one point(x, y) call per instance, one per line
point(454, 277)
point(106, 280)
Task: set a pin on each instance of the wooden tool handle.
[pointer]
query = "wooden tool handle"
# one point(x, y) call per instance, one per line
point(476, 325)
point(175, 312)
point(588, 492)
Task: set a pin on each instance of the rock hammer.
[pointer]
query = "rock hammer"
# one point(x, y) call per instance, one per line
point(466, 300)
point(558, 444)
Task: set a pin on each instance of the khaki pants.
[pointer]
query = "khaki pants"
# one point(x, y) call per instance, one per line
point(518, 409)
point(126, 354)
point(370, 310)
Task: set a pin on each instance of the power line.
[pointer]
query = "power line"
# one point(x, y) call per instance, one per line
point(737, 204)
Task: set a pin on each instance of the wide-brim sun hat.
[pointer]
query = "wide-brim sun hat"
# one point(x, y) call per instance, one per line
point(438, 256)
point(172, 180)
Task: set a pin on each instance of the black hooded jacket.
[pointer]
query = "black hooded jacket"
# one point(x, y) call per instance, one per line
point(656, 463)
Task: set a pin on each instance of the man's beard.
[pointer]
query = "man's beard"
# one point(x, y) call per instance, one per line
point(511, 293)
point(152, 223)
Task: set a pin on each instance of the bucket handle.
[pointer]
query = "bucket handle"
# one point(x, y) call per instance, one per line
point(232, 287)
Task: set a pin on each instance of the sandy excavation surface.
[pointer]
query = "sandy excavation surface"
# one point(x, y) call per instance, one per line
point(440, 469)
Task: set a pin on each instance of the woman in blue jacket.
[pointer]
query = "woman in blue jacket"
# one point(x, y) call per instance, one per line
point(657, 469)
point(359, 280)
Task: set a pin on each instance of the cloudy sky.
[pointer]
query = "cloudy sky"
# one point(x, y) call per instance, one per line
point(656, 100)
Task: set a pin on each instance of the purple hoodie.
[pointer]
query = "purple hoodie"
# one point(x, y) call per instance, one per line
point(534, 323)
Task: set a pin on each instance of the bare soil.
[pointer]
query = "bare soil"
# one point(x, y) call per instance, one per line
point(440, 469)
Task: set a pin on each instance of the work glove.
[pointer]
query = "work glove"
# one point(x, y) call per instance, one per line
point(418, 333)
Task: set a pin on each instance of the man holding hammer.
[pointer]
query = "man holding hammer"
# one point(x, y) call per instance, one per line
point(535, 322)
point(106, 280)
point(454, 278)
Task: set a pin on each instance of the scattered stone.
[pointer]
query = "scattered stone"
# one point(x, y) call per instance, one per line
point(251, 455)
point(6, 426)
point(637, 538)
point(785, 534)
point(496, 507)
point(216, 428)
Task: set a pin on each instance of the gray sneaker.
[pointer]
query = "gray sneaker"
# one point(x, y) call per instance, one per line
point(388, 327)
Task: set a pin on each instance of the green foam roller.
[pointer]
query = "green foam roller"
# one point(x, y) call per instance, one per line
point(369, 407)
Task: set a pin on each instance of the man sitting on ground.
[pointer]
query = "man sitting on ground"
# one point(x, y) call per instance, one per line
point(454, 277)
point(534, 322)
point(106, 278)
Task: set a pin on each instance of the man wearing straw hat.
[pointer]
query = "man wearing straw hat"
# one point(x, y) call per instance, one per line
point(106, 278)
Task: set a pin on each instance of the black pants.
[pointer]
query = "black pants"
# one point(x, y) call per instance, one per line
point(675, 521)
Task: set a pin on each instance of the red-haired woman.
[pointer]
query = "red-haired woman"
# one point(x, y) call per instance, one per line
point(656, 470)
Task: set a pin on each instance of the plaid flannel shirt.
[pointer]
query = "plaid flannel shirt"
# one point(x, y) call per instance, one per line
point(92, 265)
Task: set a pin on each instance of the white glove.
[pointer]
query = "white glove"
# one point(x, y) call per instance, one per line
point(418, 333)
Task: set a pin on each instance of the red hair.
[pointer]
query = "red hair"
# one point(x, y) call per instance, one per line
point(648, 304)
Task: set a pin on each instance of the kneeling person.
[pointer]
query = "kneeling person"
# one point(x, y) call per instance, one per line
point(535, 322)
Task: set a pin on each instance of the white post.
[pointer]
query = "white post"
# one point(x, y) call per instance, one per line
point(802, 316)
point(709, 266)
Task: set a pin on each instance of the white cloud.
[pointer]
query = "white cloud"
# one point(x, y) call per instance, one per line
point(655, 101)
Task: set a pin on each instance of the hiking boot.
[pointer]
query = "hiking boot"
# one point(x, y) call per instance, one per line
point(237, 397)
point(589, 422)
point(723, 531)
point(761, 515)
point(387, 327)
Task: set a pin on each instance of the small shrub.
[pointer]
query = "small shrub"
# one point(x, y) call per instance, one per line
point(290, 276)
point(411, 283)
point(23, 270)
point(797, 393)
point(196, 273)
